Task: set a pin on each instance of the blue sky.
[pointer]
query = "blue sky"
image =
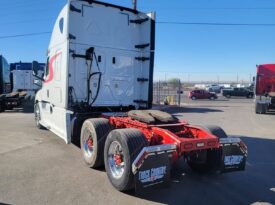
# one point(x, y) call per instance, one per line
point(194, 52)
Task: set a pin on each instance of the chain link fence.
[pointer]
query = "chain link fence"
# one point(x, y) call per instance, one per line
point(175, 92)
point(171, 93)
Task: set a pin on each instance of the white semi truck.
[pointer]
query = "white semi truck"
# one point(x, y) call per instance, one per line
point(97, 91)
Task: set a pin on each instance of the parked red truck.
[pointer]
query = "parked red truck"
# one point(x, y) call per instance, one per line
point(265, 88)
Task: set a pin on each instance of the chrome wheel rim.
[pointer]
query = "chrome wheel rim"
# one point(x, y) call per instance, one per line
point(116, 159)
point(88, 144)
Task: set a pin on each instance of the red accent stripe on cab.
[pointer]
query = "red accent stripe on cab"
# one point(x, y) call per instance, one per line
point(51, 68)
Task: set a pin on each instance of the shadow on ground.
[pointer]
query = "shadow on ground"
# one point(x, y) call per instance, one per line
point(174, 110)
point(207, 100)
point(255, 184)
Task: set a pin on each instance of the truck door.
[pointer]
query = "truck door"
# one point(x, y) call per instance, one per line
point(53, 100)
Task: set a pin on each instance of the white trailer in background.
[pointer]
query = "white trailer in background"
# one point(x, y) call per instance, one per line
point(23, 80)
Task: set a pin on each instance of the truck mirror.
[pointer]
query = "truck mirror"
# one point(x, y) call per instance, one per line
point(37, 82)
point(254, 79)
point(35, 68)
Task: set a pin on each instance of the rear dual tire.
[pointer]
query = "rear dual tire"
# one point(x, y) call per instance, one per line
point(116, 149)
point(129, 143)
point(93, 136)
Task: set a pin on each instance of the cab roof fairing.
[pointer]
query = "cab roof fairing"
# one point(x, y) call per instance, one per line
point(60, 30)
point(107, 5)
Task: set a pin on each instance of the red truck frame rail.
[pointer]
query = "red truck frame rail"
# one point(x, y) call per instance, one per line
point(203, 148)
point(187, 138)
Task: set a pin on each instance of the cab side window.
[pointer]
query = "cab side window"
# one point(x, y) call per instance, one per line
point(47, 68)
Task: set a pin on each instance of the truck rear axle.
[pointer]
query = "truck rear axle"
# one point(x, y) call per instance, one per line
point(140, 154)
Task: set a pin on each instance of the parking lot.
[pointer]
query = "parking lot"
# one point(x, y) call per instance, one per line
point(37, 167)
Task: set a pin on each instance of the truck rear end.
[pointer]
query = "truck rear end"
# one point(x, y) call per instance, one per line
point(97, 92)
point(22, 78)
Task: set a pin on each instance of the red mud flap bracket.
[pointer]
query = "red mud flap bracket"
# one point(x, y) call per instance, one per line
point(151, 168)
point(234, 154)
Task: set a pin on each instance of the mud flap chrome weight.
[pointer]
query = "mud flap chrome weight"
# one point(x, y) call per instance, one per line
point(234, 155)
point(151, 168)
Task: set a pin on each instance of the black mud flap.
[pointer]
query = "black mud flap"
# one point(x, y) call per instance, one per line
point(234, 154)
point(152, 168)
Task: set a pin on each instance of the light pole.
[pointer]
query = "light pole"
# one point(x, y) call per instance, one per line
point(134, 4)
